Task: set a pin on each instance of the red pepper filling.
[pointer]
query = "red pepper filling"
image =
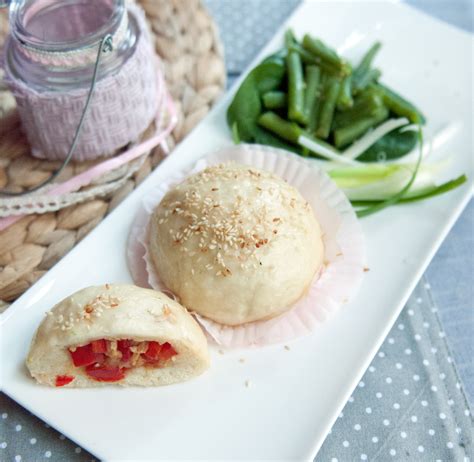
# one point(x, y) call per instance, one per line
point(62, 380)
point(104, 373)
point(109, 360)
point(124, 347)
point(85, 355)
point(99, 346)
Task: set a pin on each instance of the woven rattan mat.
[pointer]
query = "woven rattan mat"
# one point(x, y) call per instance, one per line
point(187, 41)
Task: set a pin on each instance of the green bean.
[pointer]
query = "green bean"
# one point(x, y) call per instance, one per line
point(366, 62)
point(344, 100)
point(274, 100)
point(291, 132)
point(400, 105)
point(309, 58)
point(314, 116)
point(364, 106)
point(289, 38)
point(331, 92)
point(316, 109)
point(345, 135)
point(372, 75)
point(313, 78)
point(305, 55)
point(287, 130)
point(367, 59)
point(295, 88)
point(318, 48)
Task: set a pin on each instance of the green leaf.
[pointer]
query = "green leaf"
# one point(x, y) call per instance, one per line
point(246, 107)
point(393, 145)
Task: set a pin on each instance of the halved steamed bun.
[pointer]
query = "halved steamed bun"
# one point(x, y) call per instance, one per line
point(119, 334)
point(235, 244)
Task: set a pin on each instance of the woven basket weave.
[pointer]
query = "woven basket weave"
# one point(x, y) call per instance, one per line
point(187, 40)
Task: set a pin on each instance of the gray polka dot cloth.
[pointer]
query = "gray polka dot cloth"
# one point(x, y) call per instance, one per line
point(410, 404)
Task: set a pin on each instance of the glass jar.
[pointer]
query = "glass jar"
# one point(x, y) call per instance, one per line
point(49, 60)
point(44, 30)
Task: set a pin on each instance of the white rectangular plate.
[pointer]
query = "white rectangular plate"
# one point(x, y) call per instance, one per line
point(294, 395)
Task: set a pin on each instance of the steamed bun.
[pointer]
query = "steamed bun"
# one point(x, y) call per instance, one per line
point(236, 244)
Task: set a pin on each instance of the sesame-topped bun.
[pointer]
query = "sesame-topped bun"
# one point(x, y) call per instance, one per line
point(119, 334)
point(235, 244)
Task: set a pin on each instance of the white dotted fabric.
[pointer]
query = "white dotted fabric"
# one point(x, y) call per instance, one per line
point(409, 406)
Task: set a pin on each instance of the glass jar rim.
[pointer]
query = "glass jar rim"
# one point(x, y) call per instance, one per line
point(19, 30)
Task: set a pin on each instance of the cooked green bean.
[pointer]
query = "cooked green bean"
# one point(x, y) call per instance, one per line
point(274, 100)
point(400, 105)
point(364, 106)
point(308, 58)
point(313, 79)
point(313, 117)
point(366, 62)
point(287, 130)
point(318, 48)
point(372, 75)
point(316, 110)
point(291, 132)
point(344, 100)
point(305, 55)
point(295, 88)
point(289, 38)
point(331, 92)
point(345, 135)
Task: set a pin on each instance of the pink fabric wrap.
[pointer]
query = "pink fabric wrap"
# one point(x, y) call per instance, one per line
point(123, 106)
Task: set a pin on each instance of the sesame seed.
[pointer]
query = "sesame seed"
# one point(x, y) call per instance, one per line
point(226, 231)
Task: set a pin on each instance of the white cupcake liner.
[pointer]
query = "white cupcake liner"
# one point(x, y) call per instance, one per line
point(344, 255)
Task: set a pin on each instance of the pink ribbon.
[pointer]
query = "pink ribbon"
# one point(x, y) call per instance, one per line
point(86, 177)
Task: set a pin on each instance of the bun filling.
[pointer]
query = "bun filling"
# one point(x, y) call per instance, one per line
point(109, 360)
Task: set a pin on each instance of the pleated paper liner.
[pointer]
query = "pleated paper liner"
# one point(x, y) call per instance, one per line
point(333, 286)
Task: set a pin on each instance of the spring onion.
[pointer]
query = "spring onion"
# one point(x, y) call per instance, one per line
point(371, 209)
point(362, 144)
point(430, 192)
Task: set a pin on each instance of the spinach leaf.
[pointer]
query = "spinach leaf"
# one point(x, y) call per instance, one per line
point(246, 107)
point(393, 145)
